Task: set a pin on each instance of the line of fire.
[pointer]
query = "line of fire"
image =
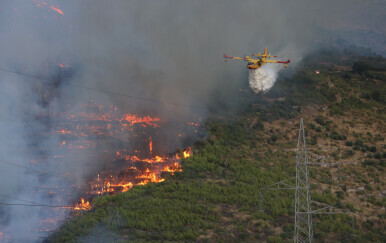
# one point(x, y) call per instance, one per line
point(125, 146)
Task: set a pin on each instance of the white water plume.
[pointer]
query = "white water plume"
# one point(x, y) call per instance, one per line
point(262, 79)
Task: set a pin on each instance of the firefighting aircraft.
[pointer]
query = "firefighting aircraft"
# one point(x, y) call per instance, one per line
point(256, 63)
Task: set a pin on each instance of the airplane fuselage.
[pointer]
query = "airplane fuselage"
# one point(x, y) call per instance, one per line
point(257, 63)
point(254, 66)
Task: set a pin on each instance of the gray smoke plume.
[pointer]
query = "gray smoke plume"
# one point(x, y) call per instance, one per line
point(168, 54)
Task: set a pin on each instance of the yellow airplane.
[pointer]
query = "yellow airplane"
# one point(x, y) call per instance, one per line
point(256, 63)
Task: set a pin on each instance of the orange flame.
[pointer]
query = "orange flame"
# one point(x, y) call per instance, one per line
point(193, 124)
point(64, 131)
point(187, 152)
point(173, 168)
point(87, 124)
point(84, 205)
point(156, 159)
point(126, 187)
point(133, 119)
point(149, 177)
point(57, 9)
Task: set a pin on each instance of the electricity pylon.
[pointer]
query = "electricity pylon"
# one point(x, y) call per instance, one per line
point(303, 215)
point(303, 232)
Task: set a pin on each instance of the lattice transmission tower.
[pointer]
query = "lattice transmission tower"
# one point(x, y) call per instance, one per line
point(303, 232)
point(303, 214)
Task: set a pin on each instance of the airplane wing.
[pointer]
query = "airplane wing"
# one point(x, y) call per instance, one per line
point(235, 58)
point(264, 54)
point(285, 62)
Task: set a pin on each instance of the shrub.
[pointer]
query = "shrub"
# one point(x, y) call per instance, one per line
point(377, 155)
point(360, 67)
point(339, 194)
point(334, 135)
point(273, 138)
point(349, 143)
point(372, 149)
point(348, 154)
point(344, 188)
point(258, 126)
point(321, 121)
point(358, 142)
point(369, 162)
point(336, 109)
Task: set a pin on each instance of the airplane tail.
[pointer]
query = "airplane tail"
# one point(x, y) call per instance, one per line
point(265, 52)
point(225, 56)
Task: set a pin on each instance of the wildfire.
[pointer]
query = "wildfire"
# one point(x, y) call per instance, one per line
point(173, 168)
point(63, 65)
point(56, 9)
point(149, 177)
point(64, 131)
point(187, 152)
point(156, 159)
point(41, 4)
point(193, 124)
point(126, 165)
point(133, 119)
point(126, 187)
point(115, 184)
point(83, 205)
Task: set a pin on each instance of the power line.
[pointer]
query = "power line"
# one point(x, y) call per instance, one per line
point(14, 198)
point(33, 204)
point(105, 91)
point(38, 205)
point(17, 165)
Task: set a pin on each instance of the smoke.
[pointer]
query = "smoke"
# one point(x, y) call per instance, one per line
point(167, 52)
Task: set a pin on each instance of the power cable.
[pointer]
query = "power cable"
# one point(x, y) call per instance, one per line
point(105, 91)
point(17, 165)
point(14, 198)
point(37, 205)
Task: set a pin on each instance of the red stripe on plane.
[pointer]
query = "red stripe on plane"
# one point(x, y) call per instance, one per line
point(283, 61)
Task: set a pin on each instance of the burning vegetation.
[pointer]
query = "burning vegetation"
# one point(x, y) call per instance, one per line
point(117, 151)
point(126, 163)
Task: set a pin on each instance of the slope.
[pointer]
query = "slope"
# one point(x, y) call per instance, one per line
point(216, 196)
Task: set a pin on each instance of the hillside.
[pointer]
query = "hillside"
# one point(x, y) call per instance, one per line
point(216, 196)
